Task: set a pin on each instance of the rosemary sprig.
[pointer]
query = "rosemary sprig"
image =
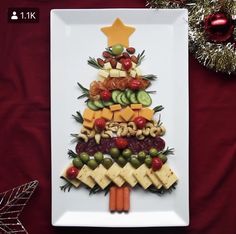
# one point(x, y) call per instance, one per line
point(150, 77)
point(78, 117)
point(72, 154)
point(140, 57)
point(93, 63)
point(85, 91)
point(67, 186)
point(168, 151)
point(98, 189)
point(151, 92)
point(162, 190)
point(158, 108)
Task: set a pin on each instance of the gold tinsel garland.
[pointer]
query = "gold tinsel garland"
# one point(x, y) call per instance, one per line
point(220, 57)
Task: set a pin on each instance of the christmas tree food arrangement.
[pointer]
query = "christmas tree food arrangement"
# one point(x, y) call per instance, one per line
point(120, 144)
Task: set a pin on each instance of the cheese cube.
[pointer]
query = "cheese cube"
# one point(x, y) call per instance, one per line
point(136, 106)
point(118, 66)
point(114, 174)
point(88, 114)
point(88, 124)
point(154, 179)
point(103, 73)
point(107, 66)
point(123, 73)
point(166, 176)
point(147, 113)
point(75, 181)
point(138, 71)
point(134, 65)
point(117, 117)
point(85, 176)
point(132, 73)
point(127, 174)
point(99, 175)
point(136, 114)
point(115, 107)
point(98, 114)
point(141, 176)
point(107, 114)
point(127, 113)
point(114, 73)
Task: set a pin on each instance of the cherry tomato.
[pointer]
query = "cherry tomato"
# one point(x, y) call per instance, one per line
point(72, 172)
point(100, 124)
point(140, 122)
point(127, 63)
point(106, 95)
point(156, 164)
point(121, 143)
point(134, 84)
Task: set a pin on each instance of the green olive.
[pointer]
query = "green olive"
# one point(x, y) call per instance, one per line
point(107, 162)
point(98, 156)
point(126, 153)
point(84, 157)
point(114, 152)
point(92, 164)
point(148, 161)
point(162, 157)
point(77, 162)
point(121, 161)
point(153, 152)
point(135, 162)
point(141, 156)
point(117, 49)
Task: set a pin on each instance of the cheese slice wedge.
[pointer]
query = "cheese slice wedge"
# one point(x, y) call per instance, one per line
point(154, 178)
point(166, 176)
point(141, 176)
point(99, 175)
point(85, 176)
point(127, 173)
point(114, 174)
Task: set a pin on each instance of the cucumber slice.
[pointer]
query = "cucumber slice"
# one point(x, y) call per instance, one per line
point(91, 105)
point(119, 100)
point(114, 95)
point(144, 98)
point(124, 99)
point(128, 92)
point(108, 103)
point(133, 98)
point(98, 103)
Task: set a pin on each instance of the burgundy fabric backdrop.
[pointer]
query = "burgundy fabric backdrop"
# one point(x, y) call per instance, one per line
point(25, 126)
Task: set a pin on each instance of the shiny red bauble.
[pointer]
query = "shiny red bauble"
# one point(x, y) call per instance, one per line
point(218, 27)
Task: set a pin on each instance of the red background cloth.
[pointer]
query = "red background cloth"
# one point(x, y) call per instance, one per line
point(25, 126)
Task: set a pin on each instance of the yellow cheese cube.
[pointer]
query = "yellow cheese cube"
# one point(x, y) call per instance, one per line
point(136, 114)
point(85, 176)
point(88, 114)
point(115, 107)
point(127, 113)
point(98, 114)
point(107, 114)
point(154, 179)
point(114, 174)
point(99, 175)
point(147, 113)
point(136, 106)
point(117, 117)
point(141, 176)
point(88, 124)
point(127, 174)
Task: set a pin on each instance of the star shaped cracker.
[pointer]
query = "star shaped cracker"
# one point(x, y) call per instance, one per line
point(118, 33)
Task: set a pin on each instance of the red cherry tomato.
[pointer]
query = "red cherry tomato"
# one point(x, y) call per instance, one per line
point(100, 124)
point(134, 84)
point(156, 164)
point(127, 64)
point(121, 143)
point(140, 122)
point(106, 95)
point(72, 172)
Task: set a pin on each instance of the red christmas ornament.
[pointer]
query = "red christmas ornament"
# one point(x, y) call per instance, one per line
point(218, 27)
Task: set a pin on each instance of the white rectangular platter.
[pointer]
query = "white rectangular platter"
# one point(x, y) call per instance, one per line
point(76, 35)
